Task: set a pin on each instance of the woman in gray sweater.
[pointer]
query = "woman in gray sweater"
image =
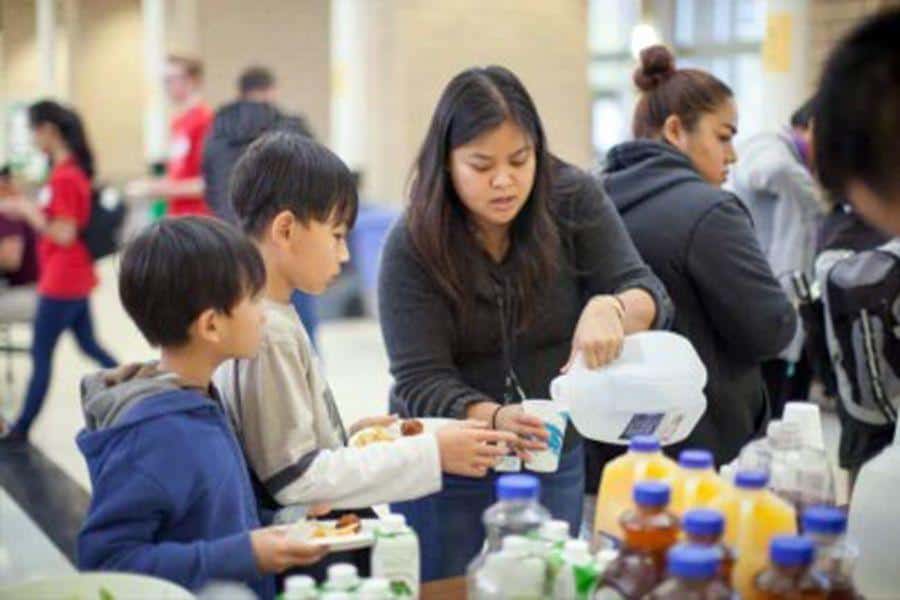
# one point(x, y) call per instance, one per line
point(507, 262)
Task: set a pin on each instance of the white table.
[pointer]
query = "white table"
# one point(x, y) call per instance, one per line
point(25, 551)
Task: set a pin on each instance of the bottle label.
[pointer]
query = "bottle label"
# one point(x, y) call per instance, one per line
point(509, 464)
point(396, 558)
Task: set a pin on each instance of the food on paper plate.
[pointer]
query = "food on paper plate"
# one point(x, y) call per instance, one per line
point(349, 524)
point(372, 435)
point(412, 427)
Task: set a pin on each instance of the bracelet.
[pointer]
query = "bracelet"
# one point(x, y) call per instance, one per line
point(622, 309)
point(494, 416)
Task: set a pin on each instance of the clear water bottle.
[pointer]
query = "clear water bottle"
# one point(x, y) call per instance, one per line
point(517, 512)
point(300, 587)
point(799, 473)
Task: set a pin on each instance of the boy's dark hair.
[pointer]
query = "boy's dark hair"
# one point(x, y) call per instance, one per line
point(857, 117)
point(803, 115)
point(283, 170)
point(175, 269)
point(255, 79)
point(193, 67)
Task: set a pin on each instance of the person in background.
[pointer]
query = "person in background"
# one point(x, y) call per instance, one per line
point(699, 239)
point(235, 127)
point(773, 177)
point(507, 264)
point(67, 274)
point(183, 183)
point(18, 261)
point(857, 139)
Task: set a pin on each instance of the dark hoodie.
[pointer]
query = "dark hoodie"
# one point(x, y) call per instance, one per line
point(172, 496)
point(236, 126)
point(700, 241)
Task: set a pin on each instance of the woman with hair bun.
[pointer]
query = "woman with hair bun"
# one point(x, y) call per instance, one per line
point(699, 240)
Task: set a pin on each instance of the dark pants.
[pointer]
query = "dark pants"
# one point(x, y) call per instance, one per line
point(786, 382)
point(305, 305)
point(449, 524)
point(52, 319)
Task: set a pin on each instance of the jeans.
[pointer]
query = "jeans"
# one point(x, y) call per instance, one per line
point(449, 524)
point(52, 319)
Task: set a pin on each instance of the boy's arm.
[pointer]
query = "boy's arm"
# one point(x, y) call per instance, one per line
point(121, 534)
point(280, 414)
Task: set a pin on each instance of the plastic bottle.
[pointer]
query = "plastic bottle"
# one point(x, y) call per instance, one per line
point(300, 587)
point(643, 461)
point(799, 473)
point(650, 531)
point(376, 588)
point(552, 538)
point(516, 513)
point(692, 576)
point(697, 484)
point(513, 572)
point(706, 527)
point(791, 575)
point(872, 524)
point(753, 516)
point(395, 556)
point(835, 555)
point(343, 578)
point(578, 575)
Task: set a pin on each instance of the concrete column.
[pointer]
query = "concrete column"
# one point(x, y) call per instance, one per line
point(413, 48)
point(154, 38)
point(786, 57)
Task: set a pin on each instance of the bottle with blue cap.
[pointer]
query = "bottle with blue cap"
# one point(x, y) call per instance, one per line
point(753, 516)
point(650, 532)
point(517, 512)
point(791, 573)
point(836, 556)
point(697, 484)
point(706, 527)
point(644, 461)
point(693, 575)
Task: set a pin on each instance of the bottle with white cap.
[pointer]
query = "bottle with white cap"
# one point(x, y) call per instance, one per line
point(395, 556)
point(300, 587)
point(376, 588)
point(342, 577)
point(577, 578)
point(512, 572)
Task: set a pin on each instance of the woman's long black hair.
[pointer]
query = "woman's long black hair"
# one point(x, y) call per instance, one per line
point(473, 103)
point(70, 128)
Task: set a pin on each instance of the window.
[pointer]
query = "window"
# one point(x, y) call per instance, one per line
point(720, 36)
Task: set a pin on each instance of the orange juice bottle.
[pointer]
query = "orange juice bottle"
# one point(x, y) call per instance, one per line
point(697, 485)
point(753, 516)
point(643, 461)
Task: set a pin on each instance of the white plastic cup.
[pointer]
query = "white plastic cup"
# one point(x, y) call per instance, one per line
point(808, 417)
point(555, 419)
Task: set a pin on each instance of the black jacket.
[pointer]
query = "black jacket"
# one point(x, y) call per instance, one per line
point(441, 365)
point(235, 127)
point(700, 241)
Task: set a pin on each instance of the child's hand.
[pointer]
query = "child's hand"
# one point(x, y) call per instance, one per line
point(276, 552)
point(471, 451)
point(379, 421)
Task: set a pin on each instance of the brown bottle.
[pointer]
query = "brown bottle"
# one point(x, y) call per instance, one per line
point(790, 576)
point(650, 531)
point(693, 575)
point(706, 527)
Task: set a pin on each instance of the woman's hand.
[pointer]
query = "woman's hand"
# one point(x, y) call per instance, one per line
point(599, 334)
point(530, 429)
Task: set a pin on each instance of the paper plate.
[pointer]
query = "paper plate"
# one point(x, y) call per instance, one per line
point(365, 538)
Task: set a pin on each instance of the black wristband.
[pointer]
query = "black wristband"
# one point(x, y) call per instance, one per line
point(494, 416)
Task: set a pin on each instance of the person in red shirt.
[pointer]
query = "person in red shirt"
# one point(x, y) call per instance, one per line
point(183, 183)
point(67, 274)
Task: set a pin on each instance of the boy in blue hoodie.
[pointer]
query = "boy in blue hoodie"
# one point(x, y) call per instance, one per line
point(172, 493)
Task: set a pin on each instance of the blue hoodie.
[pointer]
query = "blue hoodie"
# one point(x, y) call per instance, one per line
point(172, 495)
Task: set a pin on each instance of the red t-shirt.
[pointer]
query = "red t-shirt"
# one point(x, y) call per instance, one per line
point(188, 132)
point(67, 272)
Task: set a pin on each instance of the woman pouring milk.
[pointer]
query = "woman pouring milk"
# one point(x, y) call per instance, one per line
point(507, 262)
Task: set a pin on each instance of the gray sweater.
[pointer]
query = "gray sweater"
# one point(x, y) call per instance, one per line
point(441, 366)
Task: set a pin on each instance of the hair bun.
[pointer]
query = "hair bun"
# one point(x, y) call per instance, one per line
point(657, 65)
